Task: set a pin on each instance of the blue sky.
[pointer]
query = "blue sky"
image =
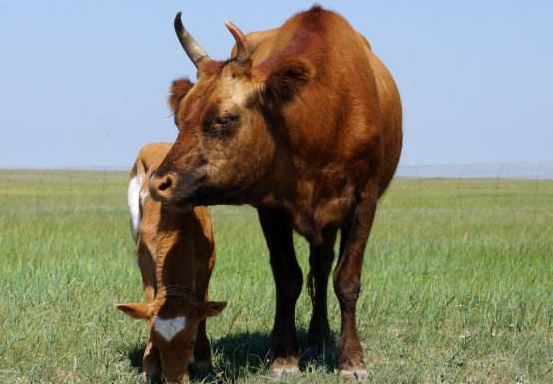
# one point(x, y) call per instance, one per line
point(84, 83)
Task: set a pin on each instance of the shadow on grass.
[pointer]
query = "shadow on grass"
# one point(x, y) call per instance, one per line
point(250, 352)
point(242, 353)
point(135, 357)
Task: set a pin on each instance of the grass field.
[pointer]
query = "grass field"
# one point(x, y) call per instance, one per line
point(457, 284)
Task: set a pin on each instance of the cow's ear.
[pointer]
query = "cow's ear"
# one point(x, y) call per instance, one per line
point(137, 310)
point(211, 308)
point(286, 80)
point(179, 89)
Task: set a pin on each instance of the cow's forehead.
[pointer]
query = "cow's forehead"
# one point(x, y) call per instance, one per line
point(235, 91)
point(221, 90)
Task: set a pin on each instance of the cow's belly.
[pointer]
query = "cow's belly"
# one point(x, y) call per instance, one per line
point(311, 217)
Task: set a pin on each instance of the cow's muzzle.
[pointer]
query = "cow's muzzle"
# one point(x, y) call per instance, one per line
point(164, 187)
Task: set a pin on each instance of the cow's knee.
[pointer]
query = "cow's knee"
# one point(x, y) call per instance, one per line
point(347, 290)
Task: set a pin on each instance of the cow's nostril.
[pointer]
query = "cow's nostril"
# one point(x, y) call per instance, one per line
point(165, 184)
point(162, 187)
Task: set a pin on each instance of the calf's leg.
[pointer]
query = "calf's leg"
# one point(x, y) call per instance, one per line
point(147, 266)
point(287, 274)
point(202, 351)
point(151, 364)
point(204, 267)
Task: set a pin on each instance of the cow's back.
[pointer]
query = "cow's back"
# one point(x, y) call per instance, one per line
point(391, 117)
point(339, 87)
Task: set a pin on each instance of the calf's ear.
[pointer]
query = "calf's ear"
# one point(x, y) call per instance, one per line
point(285, 81)
point(179, 89)
point(136, 310)
point(211, 308)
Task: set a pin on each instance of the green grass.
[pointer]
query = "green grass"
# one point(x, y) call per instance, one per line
point(457, 284)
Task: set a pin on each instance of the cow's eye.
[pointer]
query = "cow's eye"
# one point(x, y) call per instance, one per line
point(225, 121)
point(215, 124)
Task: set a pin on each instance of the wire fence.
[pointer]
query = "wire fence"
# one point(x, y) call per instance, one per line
point(539, 170)
point(534, 170)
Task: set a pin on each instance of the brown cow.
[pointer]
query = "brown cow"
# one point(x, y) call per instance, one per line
point(176, 254)
point(303, 123)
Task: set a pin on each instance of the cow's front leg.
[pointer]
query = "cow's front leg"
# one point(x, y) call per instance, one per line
point(320, 261)
point(347, 276)
point(288, 281)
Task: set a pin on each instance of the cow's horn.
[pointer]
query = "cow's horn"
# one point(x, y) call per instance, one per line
point(243, 52)
point(194, 50)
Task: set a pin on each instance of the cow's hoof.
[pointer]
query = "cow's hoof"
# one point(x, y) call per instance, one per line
point(353, 374)
point(282, 367)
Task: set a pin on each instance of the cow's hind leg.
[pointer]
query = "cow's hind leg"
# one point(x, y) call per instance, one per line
point(320, 261)
point(287, 274)
point(347, 276)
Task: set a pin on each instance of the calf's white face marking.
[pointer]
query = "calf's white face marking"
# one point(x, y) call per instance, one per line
point(168, 328)
point(133, 201)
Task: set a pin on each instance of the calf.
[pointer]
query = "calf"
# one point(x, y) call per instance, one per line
point(176, 253)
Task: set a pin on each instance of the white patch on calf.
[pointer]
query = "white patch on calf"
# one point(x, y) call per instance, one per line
point(133, 201)
point(168, 328)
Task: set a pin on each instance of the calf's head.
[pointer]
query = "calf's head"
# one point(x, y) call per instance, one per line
point(174, 322)
point(228, 124)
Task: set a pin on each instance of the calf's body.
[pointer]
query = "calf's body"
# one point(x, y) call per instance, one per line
point(175, 251)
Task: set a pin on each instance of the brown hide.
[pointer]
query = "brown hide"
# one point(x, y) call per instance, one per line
point(330, 118)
